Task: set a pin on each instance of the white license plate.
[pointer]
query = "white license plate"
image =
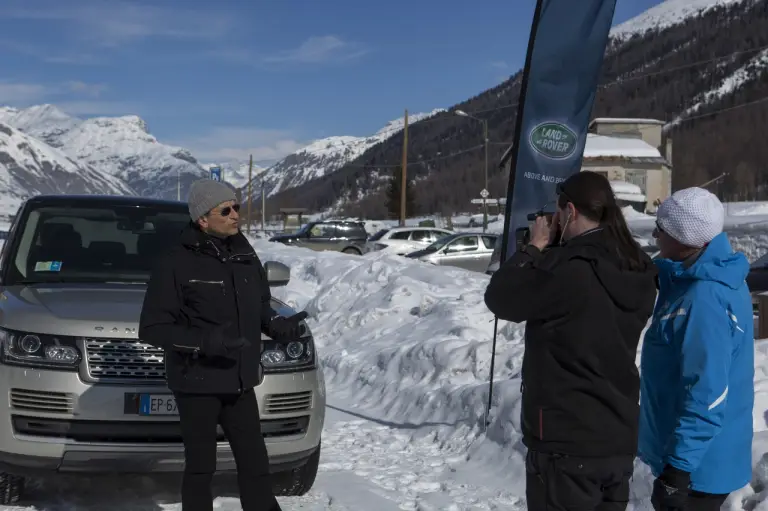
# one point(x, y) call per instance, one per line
point(157, 404)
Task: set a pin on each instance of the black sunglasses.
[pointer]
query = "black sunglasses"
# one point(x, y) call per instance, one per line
point(229, 209)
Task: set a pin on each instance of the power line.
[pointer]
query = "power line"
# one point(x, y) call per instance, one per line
point(439, 117)
point(417, 162)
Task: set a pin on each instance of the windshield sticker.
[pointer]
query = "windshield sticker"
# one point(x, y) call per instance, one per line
point(48, 266)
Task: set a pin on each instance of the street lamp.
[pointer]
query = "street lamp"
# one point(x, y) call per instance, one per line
point(462, 113)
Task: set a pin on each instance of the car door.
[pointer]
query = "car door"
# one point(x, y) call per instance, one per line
point(321, 237)
point(462, 252)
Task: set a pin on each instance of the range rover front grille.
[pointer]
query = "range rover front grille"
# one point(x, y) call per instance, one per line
point(124, 359)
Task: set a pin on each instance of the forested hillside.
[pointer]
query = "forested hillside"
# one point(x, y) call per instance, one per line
point(706, 77)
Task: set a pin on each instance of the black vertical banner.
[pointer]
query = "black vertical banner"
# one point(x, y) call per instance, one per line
point(562, 68)
point(560, 78)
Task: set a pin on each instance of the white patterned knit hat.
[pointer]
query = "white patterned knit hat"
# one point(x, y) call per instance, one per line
point(692, 216)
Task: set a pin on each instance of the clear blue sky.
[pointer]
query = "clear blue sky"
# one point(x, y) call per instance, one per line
point(228, 77)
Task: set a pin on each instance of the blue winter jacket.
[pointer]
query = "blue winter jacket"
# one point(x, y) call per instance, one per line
point(697, 371)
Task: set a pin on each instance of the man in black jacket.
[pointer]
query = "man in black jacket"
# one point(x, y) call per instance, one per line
point(586, 303)
point(207, 304)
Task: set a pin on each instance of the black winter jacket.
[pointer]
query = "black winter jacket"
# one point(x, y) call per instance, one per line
point(584, 315)
point(201, 283)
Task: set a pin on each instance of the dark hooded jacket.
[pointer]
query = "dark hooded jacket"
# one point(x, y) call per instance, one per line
point(202, 285)
point(585, 314)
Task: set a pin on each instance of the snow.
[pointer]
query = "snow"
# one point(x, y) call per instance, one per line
point(603, 146)
point(405, 348)
point(665, 15)
point(727, 85)
point(236, 173)
point(29, 167)
point(327, 155)
point(120, 146)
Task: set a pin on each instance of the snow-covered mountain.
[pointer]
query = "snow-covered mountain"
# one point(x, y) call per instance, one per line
point(31, 167)
point(120, 146)
point(664, 15)
point(235, 173)
point(325, 156)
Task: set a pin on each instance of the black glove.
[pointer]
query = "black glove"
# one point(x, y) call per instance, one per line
point(217, 344)
point(670, 490)
point(283, 329)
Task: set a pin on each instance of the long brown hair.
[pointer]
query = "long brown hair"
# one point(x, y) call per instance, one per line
point(591, 194)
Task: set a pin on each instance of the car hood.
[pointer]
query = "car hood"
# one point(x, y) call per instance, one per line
point(80, 310)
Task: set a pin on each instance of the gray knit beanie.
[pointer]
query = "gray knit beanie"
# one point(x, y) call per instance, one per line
point(206, 194)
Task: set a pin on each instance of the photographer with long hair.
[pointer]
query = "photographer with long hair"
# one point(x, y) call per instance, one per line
point(586, 290)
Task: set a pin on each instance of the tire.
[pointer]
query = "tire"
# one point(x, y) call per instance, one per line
point(297, 482)
point(351, 250)
point(11, 488)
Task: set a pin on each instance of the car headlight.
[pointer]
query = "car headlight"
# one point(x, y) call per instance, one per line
point(379, 246)
point(38, 350)
point(281, 357)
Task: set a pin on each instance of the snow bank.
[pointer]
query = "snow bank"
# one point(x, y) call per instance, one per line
point(410, 344)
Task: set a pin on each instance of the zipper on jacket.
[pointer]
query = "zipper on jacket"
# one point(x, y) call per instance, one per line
point(541, 423)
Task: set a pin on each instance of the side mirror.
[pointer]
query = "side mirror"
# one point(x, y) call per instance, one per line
point(278, 274)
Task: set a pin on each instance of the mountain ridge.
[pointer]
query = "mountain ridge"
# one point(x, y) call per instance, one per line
point(121, 146)
point(658, 70)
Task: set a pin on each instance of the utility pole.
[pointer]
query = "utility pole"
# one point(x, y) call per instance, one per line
point(263, 203)
point(250, 199)
point(485, 203)
point(404, 176)
point(484, 193)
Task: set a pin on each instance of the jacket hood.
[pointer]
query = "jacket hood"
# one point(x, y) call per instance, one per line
point(630, 290)
point(717, 263)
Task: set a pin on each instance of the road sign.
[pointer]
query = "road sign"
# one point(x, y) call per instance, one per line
point(484, 193)
point(216, 173)
point(481, 201)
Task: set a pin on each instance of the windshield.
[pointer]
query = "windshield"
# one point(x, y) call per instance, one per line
point(434, 247)
point(378, 235)
point(93, 243)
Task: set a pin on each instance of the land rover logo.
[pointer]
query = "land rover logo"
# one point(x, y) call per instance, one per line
point(553, 140)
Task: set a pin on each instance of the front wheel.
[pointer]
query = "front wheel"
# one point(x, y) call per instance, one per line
point(297, 482)
point(11, 488)
point(351, 250)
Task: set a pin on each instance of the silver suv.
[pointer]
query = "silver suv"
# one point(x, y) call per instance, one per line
point(84, 394)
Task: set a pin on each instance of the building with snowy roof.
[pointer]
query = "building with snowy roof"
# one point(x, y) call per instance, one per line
point(632, 151)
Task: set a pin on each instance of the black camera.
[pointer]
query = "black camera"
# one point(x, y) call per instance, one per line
point(523, 234)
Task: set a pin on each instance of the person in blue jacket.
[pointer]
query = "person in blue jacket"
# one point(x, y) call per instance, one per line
point(697, 362)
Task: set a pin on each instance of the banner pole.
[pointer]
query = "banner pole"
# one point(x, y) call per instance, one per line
point(511, 184)
point(565, 54)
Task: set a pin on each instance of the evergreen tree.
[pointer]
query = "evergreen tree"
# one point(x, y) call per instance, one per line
point(393, 193)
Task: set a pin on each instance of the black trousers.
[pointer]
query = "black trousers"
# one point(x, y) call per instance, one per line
point(238, 415)
point(556, 482)
point(699, 501)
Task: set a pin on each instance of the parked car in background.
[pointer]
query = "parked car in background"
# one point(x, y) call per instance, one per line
point(336, 235)
point(404, 240)
point(82, 394)
point(648, 246)
point(468, 250)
